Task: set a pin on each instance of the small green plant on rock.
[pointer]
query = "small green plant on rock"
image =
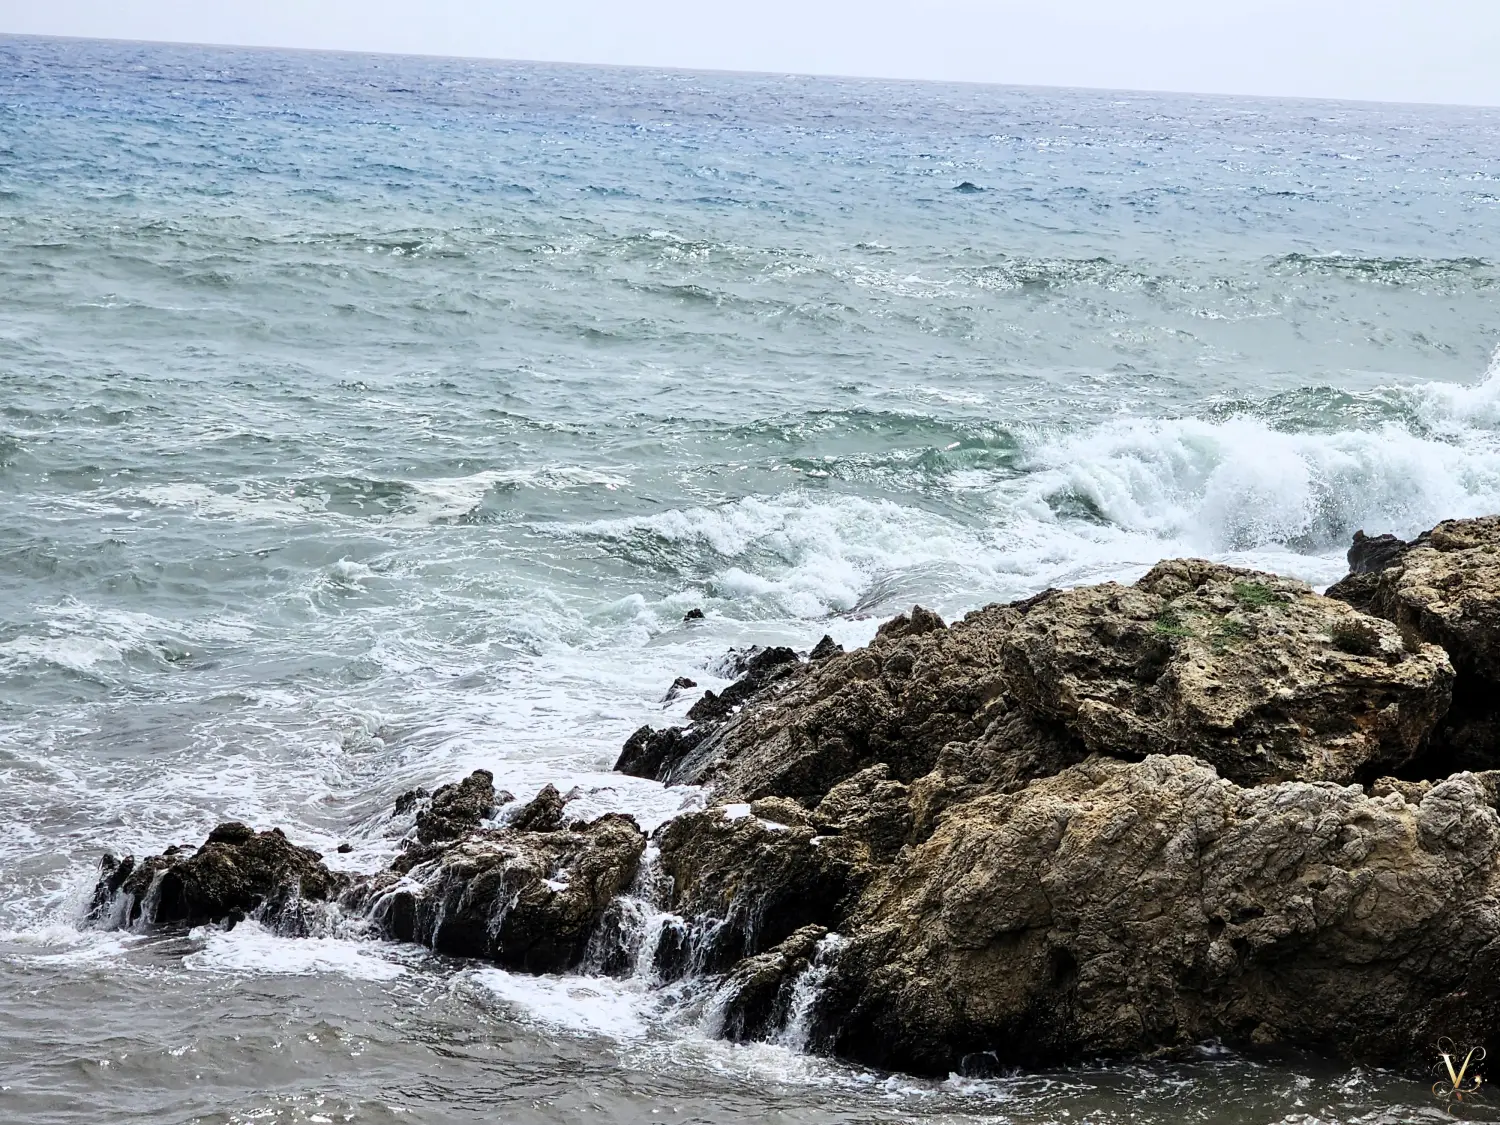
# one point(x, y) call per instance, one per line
point(1255, 595)
point(1169, 623)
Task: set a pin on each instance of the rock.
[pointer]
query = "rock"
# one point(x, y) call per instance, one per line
point(679, 685)
point(917, 686)
point(754, 1002)
point(344, 848)
point(825, 648)
point(409, 801)
point(235, 873)
point(1446, 590)
point(1123, 907)
point(693, 614)
point(912, 624)
point(869, 807)
point(543, 813)
point(525, 899)
point(1253, 673)
point(1443, 588)
point(744, 885)
point(659, 755)
point(459, 808)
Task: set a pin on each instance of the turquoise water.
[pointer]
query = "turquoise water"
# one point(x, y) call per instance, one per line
point(367, 420)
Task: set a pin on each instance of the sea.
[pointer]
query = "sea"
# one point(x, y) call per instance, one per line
point(366, 420)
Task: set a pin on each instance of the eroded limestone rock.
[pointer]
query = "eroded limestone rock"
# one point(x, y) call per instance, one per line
point(1253, 673)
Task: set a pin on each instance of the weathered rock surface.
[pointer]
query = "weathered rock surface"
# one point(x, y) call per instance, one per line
point(525, 899)
point(756, 999)
point(745, 884)
point(1255, 674)
point(1119, 907)
point(1443, 588)
point(235, 872)
point(1114, 819)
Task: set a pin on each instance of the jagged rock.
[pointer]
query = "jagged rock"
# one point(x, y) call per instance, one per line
point(527, 900)
point(408, 802)
point(746, 884)
point(679, 685)
point(781, 810)
point(458, 808)
point(915, 688)
point(1368, 556)
point(1444, 588)
point(236, 872)
point(825, 648)
point(754, 1001)
point(1121, 907)
point(869, 807)
point(913, 624)
point(1254, 673)
point(660, 754)
point(694, 614)
point(543, 813)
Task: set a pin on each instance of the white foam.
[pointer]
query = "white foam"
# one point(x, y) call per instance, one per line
point(251, 949)
point(591, 1005)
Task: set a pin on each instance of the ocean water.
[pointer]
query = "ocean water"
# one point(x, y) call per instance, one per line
point(367, 420)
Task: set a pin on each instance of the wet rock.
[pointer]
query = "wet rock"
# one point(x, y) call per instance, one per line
point(745, 884)
point(679, 685)
point(915, 688)
point(525, 899)
point(661, 754)
point(1253, 673)
point(693, 614)
point(235, 873)
point(756, 999)
point(459, 808)
point(409, 801)
point(825, 648)
point(543, 813)
point(1122, 907)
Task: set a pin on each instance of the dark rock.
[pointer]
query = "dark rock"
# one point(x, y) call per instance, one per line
point(543, 813)
point(755, 1000)
point(694, 614)
point(745, 885)
point(526, 900)
point(407, 802)
point(459, 808)
point(825, 648)
point(344, 849)
point(237, 872)
point(679, 685)
point(1371, 554)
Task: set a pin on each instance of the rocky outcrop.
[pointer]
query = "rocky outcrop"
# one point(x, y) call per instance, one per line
point(1255, 674)
point(1121, 907)
point(1443, 588)
point(1107, 820)
point(526, 899)
point(527, 896)
point(237, 871)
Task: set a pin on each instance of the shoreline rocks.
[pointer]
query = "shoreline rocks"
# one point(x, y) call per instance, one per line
point(1109, 820)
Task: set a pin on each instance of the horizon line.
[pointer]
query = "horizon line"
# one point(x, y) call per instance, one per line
point(728, 72)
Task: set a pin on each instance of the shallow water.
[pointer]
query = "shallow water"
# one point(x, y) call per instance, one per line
point(367, 420)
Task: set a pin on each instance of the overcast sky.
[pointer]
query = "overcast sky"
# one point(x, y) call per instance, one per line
point(1396, 50)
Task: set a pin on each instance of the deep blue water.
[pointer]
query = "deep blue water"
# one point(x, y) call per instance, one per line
point(364, 420)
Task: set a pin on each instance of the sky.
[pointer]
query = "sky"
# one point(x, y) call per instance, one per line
point(1382, 50)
